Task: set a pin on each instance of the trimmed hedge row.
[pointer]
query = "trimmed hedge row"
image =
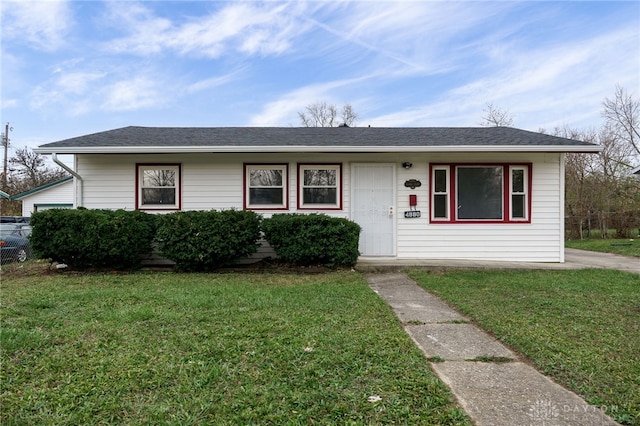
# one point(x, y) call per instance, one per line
point(85, 238)
point(194, 240)
point(208, 240)
point(313, 239)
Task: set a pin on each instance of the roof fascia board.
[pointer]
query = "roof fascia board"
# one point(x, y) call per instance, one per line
point(316, 148)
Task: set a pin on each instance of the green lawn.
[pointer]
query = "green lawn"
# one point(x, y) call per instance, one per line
point(165, 348)
point(617, 246)
point(580, 327)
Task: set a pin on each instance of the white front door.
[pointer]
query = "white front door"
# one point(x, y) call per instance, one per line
point(373, 207)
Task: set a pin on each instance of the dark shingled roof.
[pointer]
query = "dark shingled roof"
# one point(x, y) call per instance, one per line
point(360, 138)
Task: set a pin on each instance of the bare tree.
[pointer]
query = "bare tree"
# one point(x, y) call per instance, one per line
point(496, 117)
point(320, 114)
point(623, 115)
point(28, 170)
point(580, 172)
point(599, 194)
point(349, 116)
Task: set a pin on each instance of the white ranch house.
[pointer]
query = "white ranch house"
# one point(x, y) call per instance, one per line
point(493, 193)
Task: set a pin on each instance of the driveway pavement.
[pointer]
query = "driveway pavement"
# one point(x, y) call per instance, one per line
point(592, 259)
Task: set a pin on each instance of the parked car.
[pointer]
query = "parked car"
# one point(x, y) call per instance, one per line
point(14, 219)
point(14, 242)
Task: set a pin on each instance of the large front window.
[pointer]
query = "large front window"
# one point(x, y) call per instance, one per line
point(319, 186)
point(266, 187)
point(480, 193)
point(158, 187)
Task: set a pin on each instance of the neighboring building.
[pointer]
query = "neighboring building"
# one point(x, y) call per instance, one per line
point(4, 195)
point(58, 195)
point(636, 172)
point(489, 193)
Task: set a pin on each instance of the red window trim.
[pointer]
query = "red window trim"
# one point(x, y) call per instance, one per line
point(339, 187)
point(506, 192)
point(179, 187)
point(245, 199)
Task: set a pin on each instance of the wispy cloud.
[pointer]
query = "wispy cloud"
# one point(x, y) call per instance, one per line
point(40, 24)
point(419, 37)
point(541, 86)
point(404, 63)
point(78, 83)
point(8, 103)
point(248, 28)
point(77, 88)
point(147, 34)
point(213, 82)
point(284, 110)
point(68, 89)
point(134, 94)
point(556, 79)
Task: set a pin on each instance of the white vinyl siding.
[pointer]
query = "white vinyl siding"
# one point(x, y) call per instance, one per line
point(538, 241)
point(58, 196)
point(215, 181)
point(209, 181)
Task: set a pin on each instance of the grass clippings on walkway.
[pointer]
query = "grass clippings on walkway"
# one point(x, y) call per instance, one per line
point(164, 348)
point(580, 327)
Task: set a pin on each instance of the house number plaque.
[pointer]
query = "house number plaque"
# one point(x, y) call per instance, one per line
point(412, 183)
point(412, 214)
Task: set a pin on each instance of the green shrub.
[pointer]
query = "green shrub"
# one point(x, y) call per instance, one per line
point(85, 238)
point(207, 240)
point(313, 239)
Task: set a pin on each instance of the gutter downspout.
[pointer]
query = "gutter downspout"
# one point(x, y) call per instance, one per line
point(562, 204)
point(54, 156)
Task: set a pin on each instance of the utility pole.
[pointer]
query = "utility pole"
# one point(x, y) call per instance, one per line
point(5, 142)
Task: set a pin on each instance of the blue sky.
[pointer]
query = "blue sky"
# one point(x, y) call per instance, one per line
point(71, 68)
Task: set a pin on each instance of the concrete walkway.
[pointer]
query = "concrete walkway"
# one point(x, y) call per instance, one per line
point(574, 259)
point(491, 393)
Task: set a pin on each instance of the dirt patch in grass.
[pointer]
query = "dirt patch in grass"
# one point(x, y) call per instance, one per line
point(45, 267)
point(27, 269)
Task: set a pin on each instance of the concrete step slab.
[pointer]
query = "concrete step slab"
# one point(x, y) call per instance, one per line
point(411, 302)
point(514, 393)
point(457, 342)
